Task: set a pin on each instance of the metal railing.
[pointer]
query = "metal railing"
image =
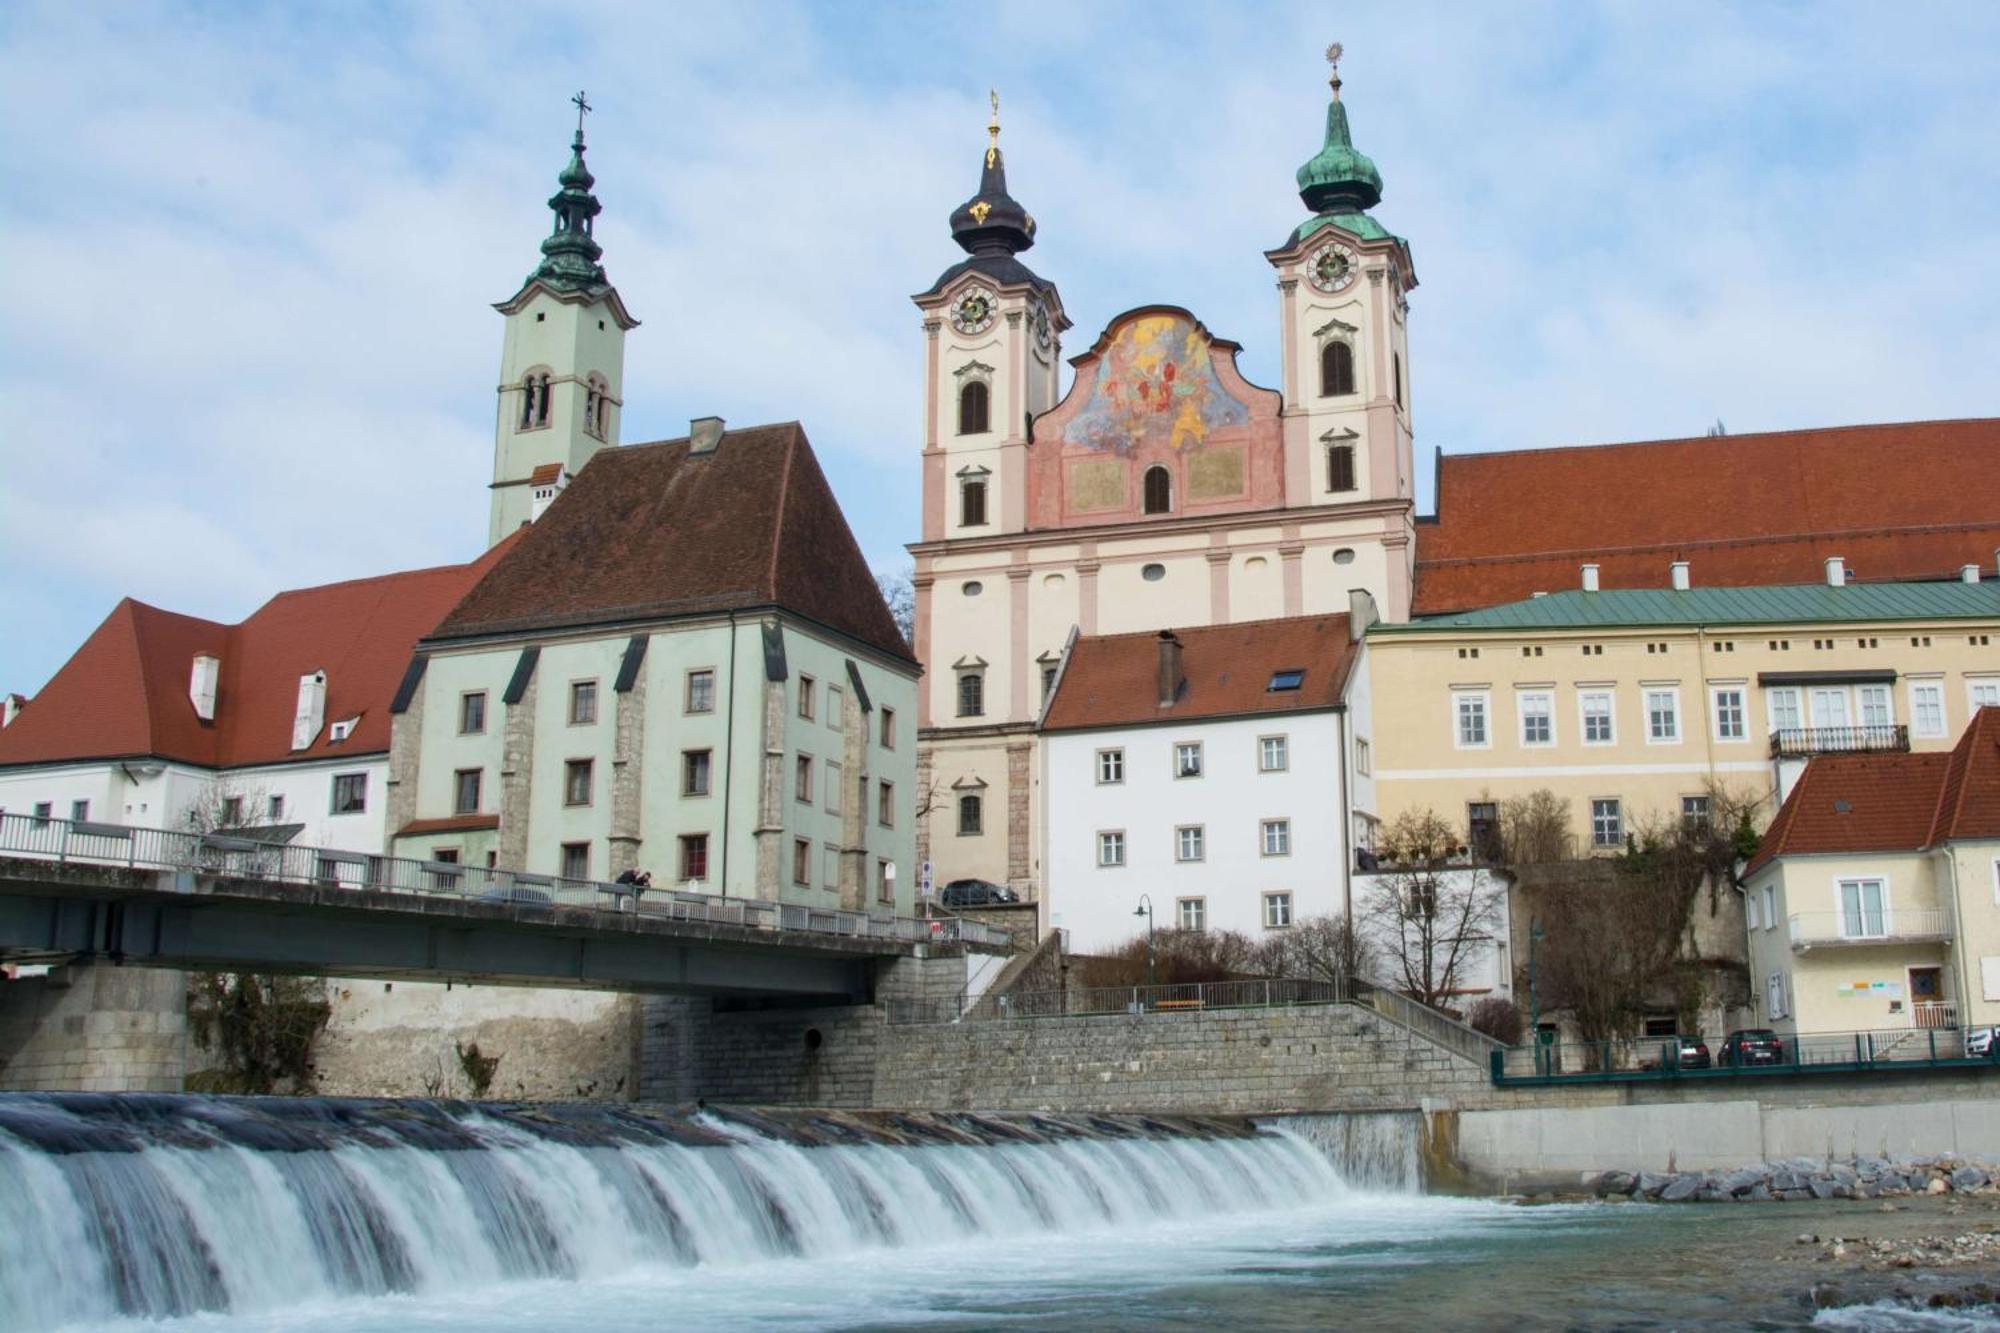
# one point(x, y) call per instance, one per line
point(1428, 1023)
point(1804, 742)
point(69, 842)
point(1139, 1001)
point(1641, 1059)
point(1902, 923)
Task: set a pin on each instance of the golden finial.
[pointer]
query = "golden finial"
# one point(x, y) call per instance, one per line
point(1333, 54)
point(993, 129)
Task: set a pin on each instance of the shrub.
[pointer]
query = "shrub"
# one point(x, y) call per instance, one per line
point(1499, 1019)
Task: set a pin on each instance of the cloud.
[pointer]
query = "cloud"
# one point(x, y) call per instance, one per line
point(248, 341)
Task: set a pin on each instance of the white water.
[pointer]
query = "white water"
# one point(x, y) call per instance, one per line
point(355, 1207)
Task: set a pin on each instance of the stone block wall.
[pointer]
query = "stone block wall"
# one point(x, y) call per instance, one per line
point(94, 1028)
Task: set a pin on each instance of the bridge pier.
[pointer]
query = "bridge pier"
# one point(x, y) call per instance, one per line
point(93, 1027)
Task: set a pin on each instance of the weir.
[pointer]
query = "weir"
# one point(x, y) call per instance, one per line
point(157, 1206)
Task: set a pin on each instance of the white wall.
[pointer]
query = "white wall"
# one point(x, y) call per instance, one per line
point(1485, 969)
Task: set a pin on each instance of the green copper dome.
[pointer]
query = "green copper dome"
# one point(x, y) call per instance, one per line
point(570, 252)
point(1339, 178)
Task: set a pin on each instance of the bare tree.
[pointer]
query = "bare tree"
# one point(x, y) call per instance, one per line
point(225, 802)
point(899, 593)
point(1429, 915)
point(1318, 948)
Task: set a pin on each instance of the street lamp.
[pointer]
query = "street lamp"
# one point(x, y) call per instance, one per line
point(1145, 909)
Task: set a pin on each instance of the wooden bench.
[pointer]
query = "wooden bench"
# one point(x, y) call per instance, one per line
point(1180, 1004)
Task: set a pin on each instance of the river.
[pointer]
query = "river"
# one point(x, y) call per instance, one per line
point(236, 1214)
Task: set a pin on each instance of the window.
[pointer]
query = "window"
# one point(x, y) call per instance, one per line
point(1927, 707)
point(829, 866)
point(971, 815)
point(1663, 717)
point(576, 860)
point(888, 734)
point(1110, 767)
point(885, 882)
point(44, 811)
point(1469, 709)
point(808, 687)
point(972, 503)
point(832, 787)
point(1607, 823)
point(1274, 754)
point(232, 812)
point(1694, 813)
point(350, 793)
point(1595, 706)
point(836, 707)
point(1982, 694)
point(1750, 911)
point(1340, 467)
point(465, 791)
point(274, 809)
point(1288, 679)
point(701, 691)
point(1782, 708)
point(1730, 724)
point(802, 779)
point(975, 403)
point(802, 861)
point(79, 811)
point(1277, 911)
point(472, 712)
point(694, 856)
point(1187, 759)
point(1482, 827)
point(534, 400)
point(582, 703)
point(1363, 760)
point(1336, 369)
point(1158, 490)
point(1861, 909)
point(1190, 843)
point(1396, 359)
point(1538, 723)
point(972, 694)
point(695, 769)
point(885, 804)
point(1277, 837)
point(1774, 994)
point(1770, 907)
point(1876, 710)
point(576, 782)
point(1191, 913)
point(1111, 848)
point(1048, 680)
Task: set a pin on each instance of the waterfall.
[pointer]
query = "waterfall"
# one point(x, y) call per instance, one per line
point(159, 1206)
point(1380, 1150)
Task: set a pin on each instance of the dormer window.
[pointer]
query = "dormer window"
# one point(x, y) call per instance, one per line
point(342, 729)
point(1336, 369)
point(1289, 679)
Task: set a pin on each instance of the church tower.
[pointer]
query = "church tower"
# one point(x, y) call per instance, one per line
point(562, 363)
point(1343, 289)
point(993, 340)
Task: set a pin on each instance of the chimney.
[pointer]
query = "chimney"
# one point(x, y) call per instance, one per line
point(201, 685)
point(311, 714)
point(1360, 613)
point(1170, 668)
point(704, 433)
point(1968, 573)
point(1590, 578)
point(1680, 574)
point(1836, 571)
point(12, 709)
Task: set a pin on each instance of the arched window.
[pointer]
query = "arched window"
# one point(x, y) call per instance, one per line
point(590, 408)
point(974, 402)
point(1159, 491)
point(1397, 358)
point(597, 405)
point(1336, 369)
point(534, 399)
point(972, 693)
point(972, 504)
point(1340, 467)
point(527, 403)
point(971, 815)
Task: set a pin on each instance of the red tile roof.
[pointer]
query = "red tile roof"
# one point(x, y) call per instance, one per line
point(1112, 680)
point(545, 474)
point(1907, 501)
point(124, 693)
point(651, 531)
point(1891, 802)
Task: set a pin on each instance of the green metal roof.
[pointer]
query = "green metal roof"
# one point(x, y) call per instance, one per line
point(1806, 603)
point(1358, 224)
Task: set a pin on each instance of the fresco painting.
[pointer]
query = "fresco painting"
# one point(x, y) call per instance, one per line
point(1155, 385)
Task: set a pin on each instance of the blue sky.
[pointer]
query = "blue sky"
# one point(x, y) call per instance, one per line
point(245, 331)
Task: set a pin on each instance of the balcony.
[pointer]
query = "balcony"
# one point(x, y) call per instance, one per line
point(1904, 925)
point(1805, 742)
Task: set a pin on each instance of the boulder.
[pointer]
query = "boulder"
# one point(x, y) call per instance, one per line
point(1758, 1193)
point(1742, 1182)
point(1613, 1182)
point(1650, 1184)
point(1892, 1182)
point(1821, 1187)
point(1968, 1178)
point(1937, 1186)
point(1785, 1178)
point(1680, 1189)
point(1843, 1173)
point(1793, 1196)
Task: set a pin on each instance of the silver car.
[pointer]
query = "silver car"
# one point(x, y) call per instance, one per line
point(1979, 1042)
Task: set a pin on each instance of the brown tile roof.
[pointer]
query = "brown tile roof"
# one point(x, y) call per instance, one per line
point(1112, 680)
point(124, 692)
point(1891, 802)
point(650, 531)
point(1915, 500)
point(449, 824)
point(545, 474)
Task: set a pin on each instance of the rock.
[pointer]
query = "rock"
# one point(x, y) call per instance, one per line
point(1793, 1196)
point(1843, 1190)
point(1613, 1182)
point(1887, 1208)
point(1892, 1182)
point(1937, 1186)
point(1758, 1193)
point(1843, 1173)
point(1680, 1189)
point(1650, 1184)
point(1742, 1182)
point(1821, 1187)
point(1805, 1238)
point(1968, 1178)
point(1787, 1179)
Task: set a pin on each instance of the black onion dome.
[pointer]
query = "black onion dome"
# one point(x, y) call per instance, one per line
point(992, 222)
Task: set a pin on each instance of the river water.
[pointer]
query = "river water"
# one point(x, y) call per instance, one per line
point(236, 1214)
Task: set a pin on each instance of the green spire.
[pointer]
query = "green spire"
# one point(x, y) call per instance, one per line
point(1339, 179)
point(570, 253)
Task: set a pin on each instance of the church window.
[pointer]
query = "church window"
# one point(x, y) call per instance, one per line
point(971, 815)
point(974, 403)
point(1336, 369)
point(542, 403)
point(1159, 492)
point(971, 694)
point(534, 399)
point(1340, 467)
point(597, 406)
point(1397, 359)
point(972, 503)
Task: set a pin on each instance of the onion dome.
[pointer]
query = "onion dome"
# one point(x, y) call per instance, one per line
point(570, 252)
point(991, 222)
point(1339, 178)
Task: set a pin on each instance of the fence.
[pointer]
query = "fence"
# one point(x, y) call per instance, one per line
point(1428, 1023)
point(71, 842)
point(1640, 1059)
point(1139, 1001)
point(1869, 926)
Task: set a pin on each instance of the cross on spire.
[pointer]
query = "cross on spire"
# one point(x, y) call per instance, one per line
point(582, 109)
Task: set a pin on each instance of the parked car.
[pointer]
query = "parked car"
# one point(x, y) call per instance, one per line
point(1979, 1042)
point(975, 893)
point(1688, 1053)
point(1753, 1046)
point(514, 893)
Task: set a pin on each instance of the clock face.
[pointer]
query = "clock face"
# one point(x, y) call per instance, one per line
point(1332, 267)
point(974, 311)
point(1044, 334)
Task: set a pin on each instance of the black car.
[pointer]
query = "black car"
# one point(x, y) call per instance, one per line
point(1752, 1046)
point(975, 893)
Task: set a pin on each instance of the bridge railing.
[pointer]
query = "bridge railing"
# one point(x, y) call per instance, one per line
point(85, 843)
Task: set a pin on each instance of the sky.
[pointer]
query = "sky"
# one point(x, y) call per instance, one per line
point(248, 254)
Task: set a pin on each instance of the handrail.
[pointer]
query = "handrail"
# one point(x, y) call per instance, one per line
point(1800, 742)
point(70, 842)
point(1427, 1022)
point(1097, 1001)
